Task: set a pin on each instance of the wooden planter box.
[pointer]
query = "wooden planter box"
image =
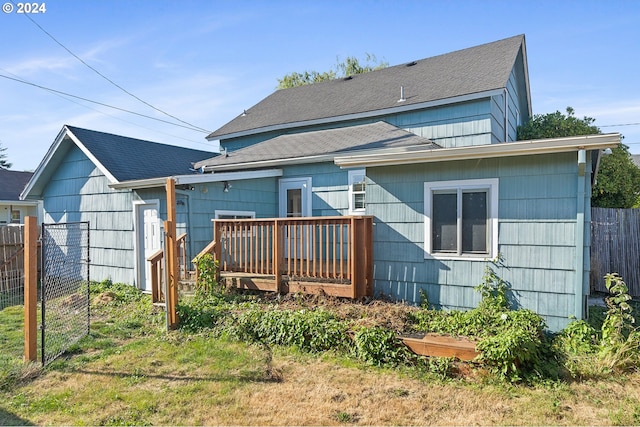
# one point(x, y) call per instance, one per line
point(442, 346)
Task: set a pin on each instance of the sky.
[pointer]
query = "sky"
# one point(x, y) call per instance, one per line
point(204, 62)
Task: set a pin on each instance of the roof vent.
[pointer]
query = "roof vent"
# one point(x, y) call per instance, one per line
point(402, 98)
point(411, 64)
point(347, 78)
point(244, 113)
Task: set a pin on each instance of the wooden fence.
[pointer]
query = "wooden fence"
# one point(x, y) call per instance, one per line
point(11, 265)
point(615, 247)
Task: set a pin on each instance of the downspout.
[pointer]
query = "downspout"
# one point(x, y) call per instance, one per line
point(579, 236)
point(506, 115)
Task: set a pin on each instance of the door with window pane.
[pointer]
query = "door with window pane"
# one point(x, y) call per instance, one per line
point(295, 202)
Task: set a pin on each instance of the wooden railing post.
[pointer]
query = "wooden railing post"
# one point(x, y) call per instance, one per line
point(30, 288)
point(278, 255)
point(355, 270)
point(217, 249)
point(171, 256)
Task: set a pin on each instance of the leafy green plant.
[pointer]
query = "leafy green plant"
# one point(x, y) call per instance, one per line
point(619, 320)
point(380, 347)
point(207, 274)
point(308, 330)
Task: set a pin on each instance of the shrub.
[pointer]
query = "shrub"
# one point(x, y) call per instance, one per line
point(380, 347)
point(207, 272)
point(308, 330)
point(613, 347)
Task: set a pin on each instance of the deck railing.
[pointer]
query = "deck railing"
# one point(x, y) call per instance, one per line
point(157, 268)
point(334, 253)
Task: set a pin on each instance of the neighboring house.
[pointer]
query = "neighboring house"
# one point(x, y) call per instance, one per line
point(427, 148)
point(12, 209)
point(79, 179)
point(636, 159)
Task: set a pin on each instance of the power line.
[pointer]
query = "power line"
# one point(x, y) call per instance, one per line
point(622, 124)
point(111, 81)
point(190, 127)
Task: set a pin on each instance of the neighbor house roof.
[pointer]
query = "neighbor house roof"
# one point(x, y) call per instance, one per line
point(119, 158)
point(12, 183)
point(316, 146)
point(636, 159)
point(452, 76)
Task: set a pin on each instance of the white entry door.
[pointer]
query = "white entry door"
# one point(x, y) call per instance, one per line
point(149, 241)
point(295, 202)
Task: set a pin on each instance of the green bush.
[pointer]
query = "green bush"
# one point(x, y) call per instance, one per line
point(207, 273)
point(380, 347)
point(609, 343)
point(308, 330)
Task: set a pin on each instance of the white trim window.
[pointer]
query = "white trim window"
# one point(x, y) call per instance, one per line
point(220, 214)
point(461, 219)
point(357, 191)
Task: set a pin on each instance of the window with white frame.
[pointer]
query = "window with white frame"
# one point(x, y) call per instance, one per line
point(234, 214)
point(461, 218)
point(357, 187)
point(16, 217)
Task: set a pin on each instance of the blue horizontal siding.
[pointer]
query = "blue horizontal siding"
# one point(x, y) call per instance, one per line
point(78, 191)
point(536, 235)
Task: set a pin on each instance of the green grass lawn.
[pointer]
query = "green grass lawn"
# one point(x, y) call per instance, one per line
point(130, 371)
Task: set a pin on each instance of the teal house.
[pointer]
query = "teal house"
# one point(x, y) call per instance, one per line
point(426, 148)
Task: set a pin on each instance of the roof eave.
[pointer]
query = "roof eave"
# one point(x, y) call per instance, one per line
point(195, 179)
point(507, 149)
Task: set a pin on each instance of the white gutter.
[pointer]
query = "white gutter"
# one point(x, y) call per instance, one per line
point(271, 163)
point(506, 149)
point(363, 115)
point(196, 179)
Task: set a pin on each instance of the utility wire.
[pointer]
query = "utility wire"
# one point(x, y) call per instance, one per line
point(111, 81)
point(190, 127)
point(622, 124)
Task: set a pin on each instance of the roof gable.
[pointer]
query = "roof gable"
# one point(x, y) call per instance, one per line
point(129, 158)
point(297, 147)
point(13, 182)
point(474, 70)
point(119, 158)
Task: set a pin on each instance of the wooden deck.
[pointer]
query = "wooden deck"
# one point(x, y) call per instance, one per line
point(315, 255)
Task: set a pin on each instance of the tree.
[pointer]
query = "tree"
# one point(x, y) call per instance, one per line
point(618, 181)
point(557, 125)
point(349, 67)
point(4, 164)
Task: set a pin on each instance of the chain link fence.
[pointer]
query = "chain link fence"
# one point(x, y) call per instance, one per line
point(65, 287)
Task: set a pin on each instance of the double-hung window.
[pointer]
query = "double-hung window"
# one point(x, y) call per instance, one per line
point(357, 187)
point(461, 218)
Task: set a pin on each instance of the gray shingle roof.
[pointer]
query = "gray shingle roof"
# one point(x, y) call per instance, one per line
point(323, 142)
point(130, 159)
point(468, 71)
point(636, 159)
point(12, 183)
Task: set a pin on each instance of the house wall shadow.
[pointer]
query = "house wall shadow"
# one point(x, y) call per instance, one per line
point(10, 419)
